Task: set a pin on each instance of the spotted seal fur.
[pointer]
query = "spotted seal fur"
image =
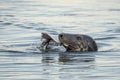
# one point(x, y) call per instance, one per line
point(71, 42)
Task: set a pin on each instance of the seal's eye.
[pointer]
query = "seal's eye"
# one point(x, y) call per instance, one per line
point(61, 36)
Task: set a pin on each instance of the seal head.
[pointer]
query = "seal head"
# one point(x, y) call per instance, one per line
point(77, 42)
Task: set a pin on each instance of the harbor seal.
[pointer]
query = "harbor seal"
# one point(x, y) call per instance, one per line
point(71, 42)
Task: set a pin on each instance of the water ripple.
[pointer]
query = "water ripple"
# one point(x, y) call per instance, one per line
point(23, 21)
point(105, 38)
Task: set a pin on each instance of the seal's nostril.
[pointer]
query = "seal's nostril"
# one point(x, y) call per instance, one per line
point(61, 36)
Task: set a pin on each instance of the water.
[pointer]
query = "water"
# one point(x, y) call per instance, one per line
point(21, 24)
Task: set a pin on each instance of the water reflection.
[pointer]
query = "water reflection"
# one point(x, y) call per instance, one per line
point(68, 58)
point(69, 63)
point(76, 57)
point(48, 58)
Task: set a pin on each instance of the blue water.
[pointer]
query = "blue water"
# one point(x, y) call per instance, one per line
point(21, 24)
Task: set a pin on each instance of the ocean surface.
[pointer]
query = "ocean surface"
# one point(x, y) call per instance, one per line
point(23, 21)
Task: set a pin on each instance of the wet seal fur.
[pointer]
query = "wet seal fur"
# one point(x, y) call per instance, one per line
point(71, 42)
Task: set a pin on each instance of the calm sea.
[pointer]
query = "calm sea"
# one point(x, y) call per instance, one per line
point(21, 24)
